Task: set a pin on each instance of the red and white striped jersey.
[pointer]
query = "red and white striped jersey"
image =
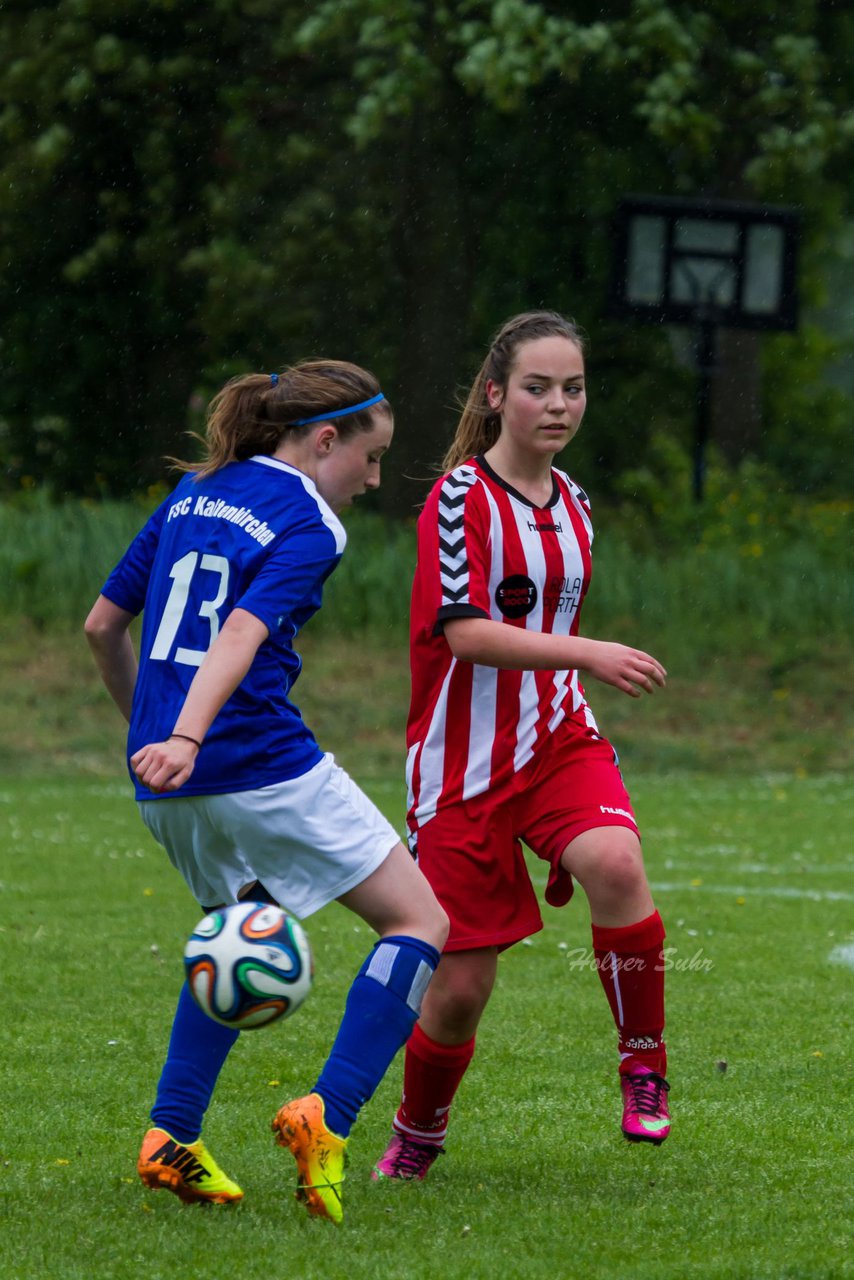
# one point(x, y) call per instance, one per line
point(485, 551)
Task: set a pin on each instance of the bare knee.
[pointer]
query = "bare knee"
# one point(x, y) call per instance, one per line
point(608, 864)
point(458, 1006)
point(424, 918)
point(620, 873)
point(458, 995)
point(437, 926)
point(396, 899)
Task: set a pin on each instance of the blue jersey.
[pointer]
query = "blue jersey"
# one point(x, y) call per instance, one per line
point(257, 535)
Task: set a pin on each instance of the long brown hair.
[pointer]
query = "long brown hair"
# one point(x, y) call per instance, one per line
point(254, 412)
point(479, 425)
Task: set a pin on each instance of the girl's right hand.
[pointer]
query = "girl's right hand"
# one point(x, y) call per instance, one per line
point(630, 670)
point(165, 766)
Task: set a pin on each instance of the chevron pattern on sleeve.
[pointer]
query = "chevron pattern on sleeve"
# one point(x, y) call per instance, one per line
point(453, 558)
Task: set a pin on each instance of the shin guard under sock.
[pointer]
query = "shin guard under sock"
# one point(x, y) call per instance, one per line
point(630, 961)
point(198, 1048)
point(382, 1006)
point(431, 1077)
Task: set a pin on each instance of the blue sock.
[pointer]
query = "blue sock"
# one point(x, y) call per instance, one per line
point(381, 1010)
point(198, 1047)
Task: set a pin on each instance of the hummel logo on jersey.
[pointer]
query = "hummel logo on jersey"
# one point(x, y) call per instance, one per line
point(178, 1157)
point(545, 528)
point(624, 813)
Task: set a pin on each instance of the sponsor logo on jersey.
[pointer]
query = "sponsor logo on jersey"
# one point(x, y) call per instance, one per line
point(562, 595)
point(516, 596)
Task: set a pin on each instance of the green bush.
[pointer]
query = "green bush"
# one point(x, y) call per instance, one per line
point(54, 557)
point(750, 511)
point(752, 568)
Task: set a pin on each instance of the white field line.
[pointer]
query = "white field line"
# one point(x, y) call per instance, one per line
point(799, 869)
point(843, 955)
point(770, 891)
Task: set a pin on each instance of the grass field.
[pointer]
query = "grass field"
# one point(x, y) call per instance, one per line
point(741, 775)
point(754, 878)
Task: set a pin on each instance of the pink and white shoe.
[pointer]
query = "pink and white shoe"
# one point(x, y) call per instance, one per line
point(405, 1161)
point(646, 1117)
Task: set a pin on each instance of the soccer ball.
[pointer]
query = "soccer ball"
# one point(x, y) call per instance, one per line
point(248, 965)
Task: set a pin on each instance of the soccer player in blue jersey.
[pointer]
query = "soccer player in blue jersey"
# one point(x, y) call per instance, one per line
point(228, 777)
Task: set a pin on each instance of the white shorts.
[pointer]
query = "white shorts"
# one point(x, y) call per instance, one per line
point(308, 840)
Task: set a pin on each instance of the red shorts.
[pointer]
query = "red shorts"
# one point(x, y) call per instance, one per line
point(471, 852)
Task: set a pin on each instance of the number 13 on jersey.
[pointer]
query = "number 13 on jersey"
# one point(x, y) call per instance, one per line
point(182, 573)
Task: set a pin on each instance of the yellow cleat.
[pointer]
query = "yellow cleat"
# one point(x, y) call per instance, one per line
point(320, 1155)
point(186, 1169)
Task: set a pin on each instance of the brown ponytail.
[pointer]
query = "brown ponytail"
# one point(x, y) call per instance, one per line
point(253, 413)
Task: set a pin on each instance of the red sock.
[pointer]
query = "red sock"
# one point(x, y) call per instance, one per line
point(431, 1076)
point(630, 961)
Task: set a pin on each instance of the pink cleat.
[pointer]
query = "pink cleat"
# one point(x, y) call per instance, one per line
point(645, 1114)
point(405, 1160)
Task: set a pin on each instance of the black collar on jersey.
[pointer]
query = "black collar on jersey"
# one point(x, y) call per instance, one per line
point(493, 475)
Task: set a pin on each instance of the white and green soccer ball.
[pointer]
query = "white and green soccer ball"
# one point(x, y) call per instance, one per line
point(248, 965)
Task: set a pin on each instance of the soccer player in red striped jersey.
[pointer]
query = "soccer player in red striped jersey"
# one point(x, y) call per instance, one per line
point(502, 746)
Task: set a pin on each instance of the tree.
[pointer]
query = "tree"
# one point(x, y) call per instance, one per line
point(195, 189)
point(562, 115)
point(112, 118)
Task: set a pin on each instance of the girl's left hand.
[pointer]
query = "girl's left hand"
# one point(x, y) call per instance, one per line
point(165, 766)
point(630, 670)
